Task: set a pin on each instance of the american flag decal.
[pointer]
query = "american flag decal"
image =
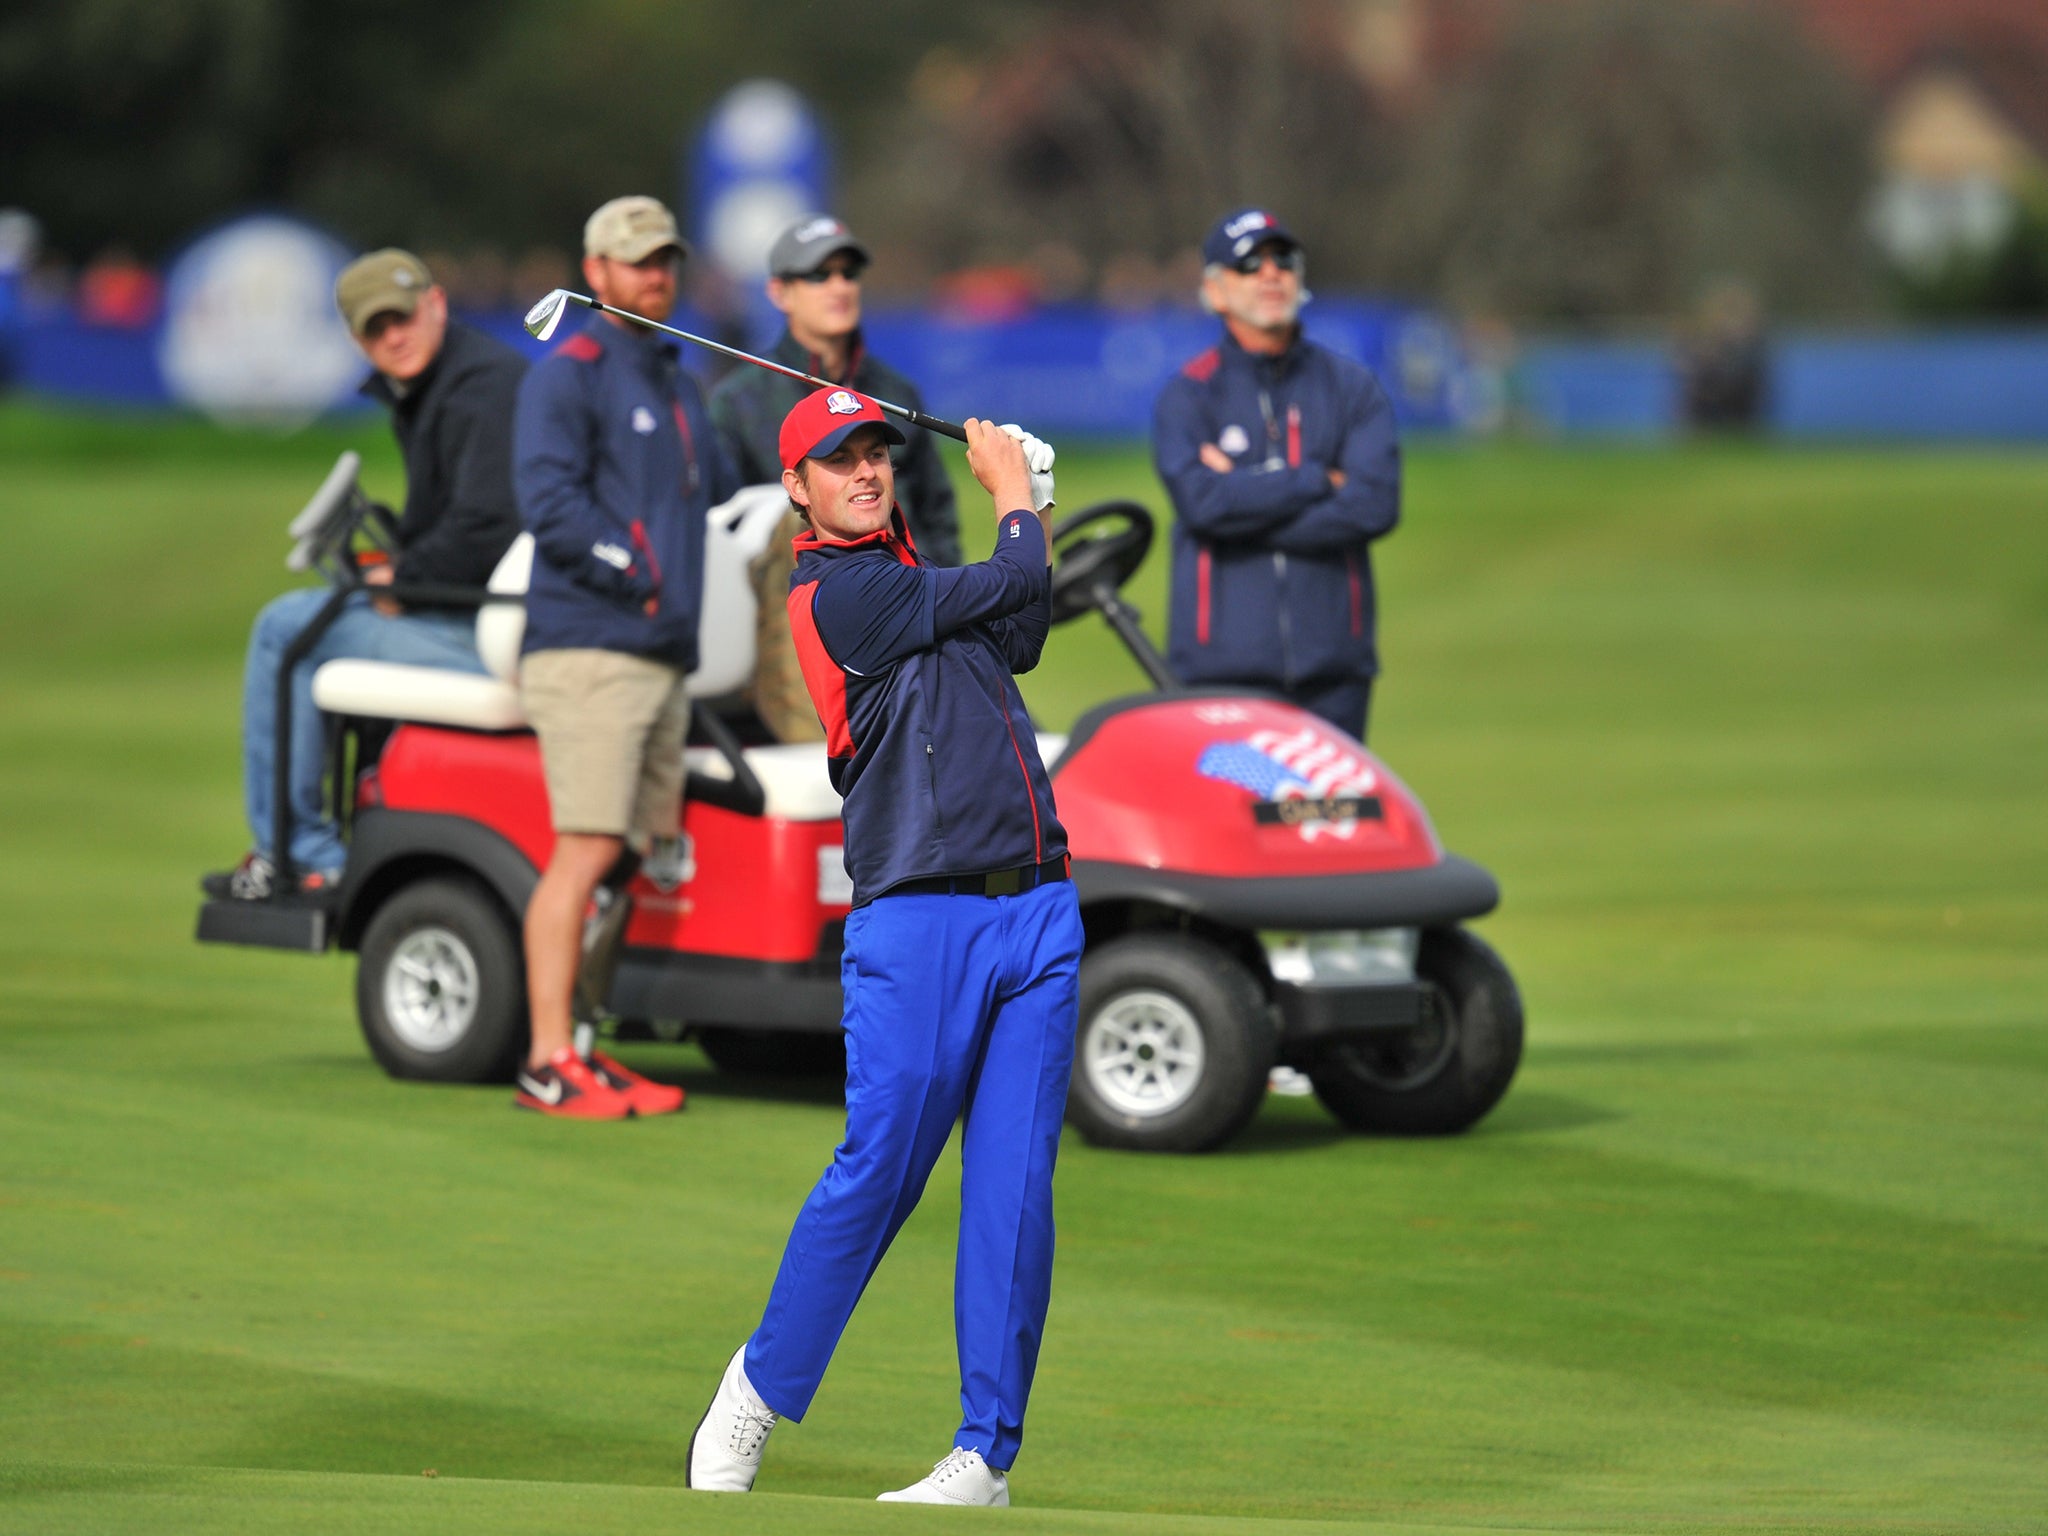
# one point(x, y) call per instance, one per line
point(1307, 764)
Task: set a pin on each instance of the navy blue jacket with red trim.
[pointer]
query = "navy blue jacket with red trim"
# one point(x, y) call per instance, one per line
point(615, 464)
point(911, 666)
point(1272, 574)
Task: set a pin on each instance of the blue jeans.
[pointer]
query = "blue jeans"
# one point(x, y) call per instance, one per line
point(955, 1006)
point(423, 639)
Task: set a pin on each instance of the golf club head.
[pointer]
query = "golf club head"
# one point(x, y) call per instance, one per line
point(542, 319)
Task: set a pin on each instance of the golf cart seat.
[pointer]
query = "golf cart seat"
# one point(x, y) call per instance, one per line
point(389, 690)
point(796, 783)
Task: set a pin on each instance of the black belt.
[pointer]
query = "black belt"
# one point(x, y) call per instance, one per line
point(1000, 882)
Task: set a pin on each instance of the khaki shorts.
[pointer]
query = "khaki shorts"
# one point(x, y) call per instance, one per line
point(611, 730)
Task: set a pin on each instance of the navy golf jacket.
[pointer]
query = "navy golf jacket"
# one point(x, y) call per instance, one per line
point(1272, 574)
point(615, 464)
point(911, 666)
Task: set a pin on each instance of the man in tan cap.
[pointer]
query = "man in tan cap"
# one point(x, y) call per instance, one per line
point(450, 391)
point(615, 464)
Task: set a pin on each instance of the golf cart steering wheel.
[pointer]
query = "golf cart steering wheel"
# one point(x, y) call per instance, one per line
point(1083, 561)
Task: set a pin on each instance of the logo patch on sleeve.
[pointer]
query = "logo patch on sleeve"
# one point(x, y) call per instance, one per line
point(1233, 440)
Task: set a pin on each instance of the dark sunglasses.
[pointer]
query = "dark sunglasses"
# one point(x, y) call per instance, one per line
point(1251, 261)
point(850, 270)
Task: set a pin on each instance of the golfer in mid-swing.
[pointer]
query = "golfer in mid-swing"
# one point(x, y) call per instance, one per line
point(962, 949)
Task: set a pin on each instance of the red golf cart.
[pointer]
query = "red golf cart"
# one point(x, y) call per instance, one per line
point(1258, 888)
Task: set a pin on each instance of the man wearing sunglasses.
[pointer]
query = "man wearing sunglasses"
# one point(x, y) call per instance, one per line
point(1283, 465)
point(814, 279)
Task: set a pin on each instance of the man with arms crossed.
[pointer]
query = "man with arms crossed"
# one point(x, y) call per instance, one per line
point(616, 467)
point(1283, 465)
point(449, 390)
point(963, 949)
point(814, 279)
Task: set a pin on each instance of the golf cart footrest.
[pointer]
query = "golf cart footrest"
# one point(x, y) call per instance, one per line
point(710, 989)
point(1309, 1014)
point(279, 924)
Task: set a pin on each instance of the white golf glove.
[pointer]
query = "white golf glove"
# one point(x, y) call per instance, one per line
point(1038, 457)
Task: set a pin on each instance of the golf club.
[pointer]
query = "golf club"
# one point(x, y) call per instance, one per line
point(542, 319)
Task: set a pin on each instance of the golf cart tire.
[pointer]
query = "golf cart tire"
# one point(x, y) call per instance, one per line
point(1175, 1044)
point(1443, 1076)
point(440, 986)
point(774, 1052)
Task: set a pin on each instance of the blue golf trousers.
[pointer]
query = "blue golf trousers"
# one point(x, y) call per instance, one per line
point(955, 1005)
point(422, 639)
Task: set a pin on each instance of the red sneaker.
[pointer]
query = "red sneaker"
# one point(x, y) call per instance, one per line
point(564, 1085)
point(646, 1096)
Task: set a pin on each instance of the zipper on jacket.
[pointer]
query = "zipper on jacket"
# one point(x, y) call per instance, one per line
point(1286, 629)
point(1357, 594)
point(1037, 835)
point(640, 542)
point(1294, 437)
point(1273, 455)
point(931, 780)
point(1202, 563)
point(690, 475)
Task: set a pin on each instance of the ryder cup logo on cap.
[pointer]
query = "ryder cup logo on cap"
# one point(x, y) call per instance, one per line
point(804, 246)
point(817, 424)
point(1239, 233)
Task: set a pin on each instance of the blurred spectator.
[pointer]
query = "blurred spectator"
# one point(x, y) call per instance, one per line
point(1130, 281)
point(1182, 278)
point(47, 290)
point(1486, 399)
point(987, 295)
point(1723, 362)
point(117, 290)
point(539, 270)
point(20, 235)
point(709, 289)
point(478, 281)
point(1059, 272)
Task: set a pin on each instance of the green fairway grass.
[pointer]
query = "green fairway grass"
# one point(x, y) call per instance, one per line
point(1757, 743)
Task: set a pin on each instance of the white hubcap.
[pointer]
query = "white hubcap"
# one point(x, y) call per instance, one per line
point(1143, 1053)
point(430, 989)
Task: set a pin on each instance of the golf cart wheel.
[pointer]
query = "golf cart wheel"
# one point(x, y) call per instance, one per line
point(1175, 1045)
point(774, 1052)
point(440, 989)
point(1440, 1077)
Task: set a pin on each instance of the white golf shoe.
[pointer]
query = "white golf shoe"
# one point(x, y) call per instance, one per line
point(725, 1452)
point(962, 1478)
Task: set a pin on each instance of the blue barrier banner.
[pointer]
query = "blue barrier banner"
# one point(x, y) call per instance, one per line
point(1084, 372)
point(1950, 386)
point(1599, 389)
point(1077, 371)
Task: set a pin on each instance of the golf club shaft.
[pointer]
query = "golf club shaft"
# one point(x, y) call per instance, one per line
point(915, 418)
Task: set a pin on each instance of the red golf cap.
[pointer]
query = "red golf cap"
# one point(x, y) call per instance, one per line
point(821, 421)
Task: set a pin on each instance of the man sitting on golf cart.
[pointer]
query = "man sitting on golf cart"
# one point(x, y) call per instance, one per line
point(450, 391)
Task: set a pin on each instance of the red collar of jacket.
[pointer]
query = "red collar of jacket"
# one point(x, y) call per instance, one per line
point(895, 538)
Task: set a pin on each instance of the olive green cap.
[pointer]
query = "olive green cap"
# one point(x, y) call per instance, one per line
point(631, 229)
point(390, 281)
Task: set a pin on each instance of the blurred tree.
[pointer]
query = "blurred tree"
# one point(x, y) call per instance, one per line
point(1612, 157)
point(1124, 130)
point(2009, 279)
point(448, 124)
